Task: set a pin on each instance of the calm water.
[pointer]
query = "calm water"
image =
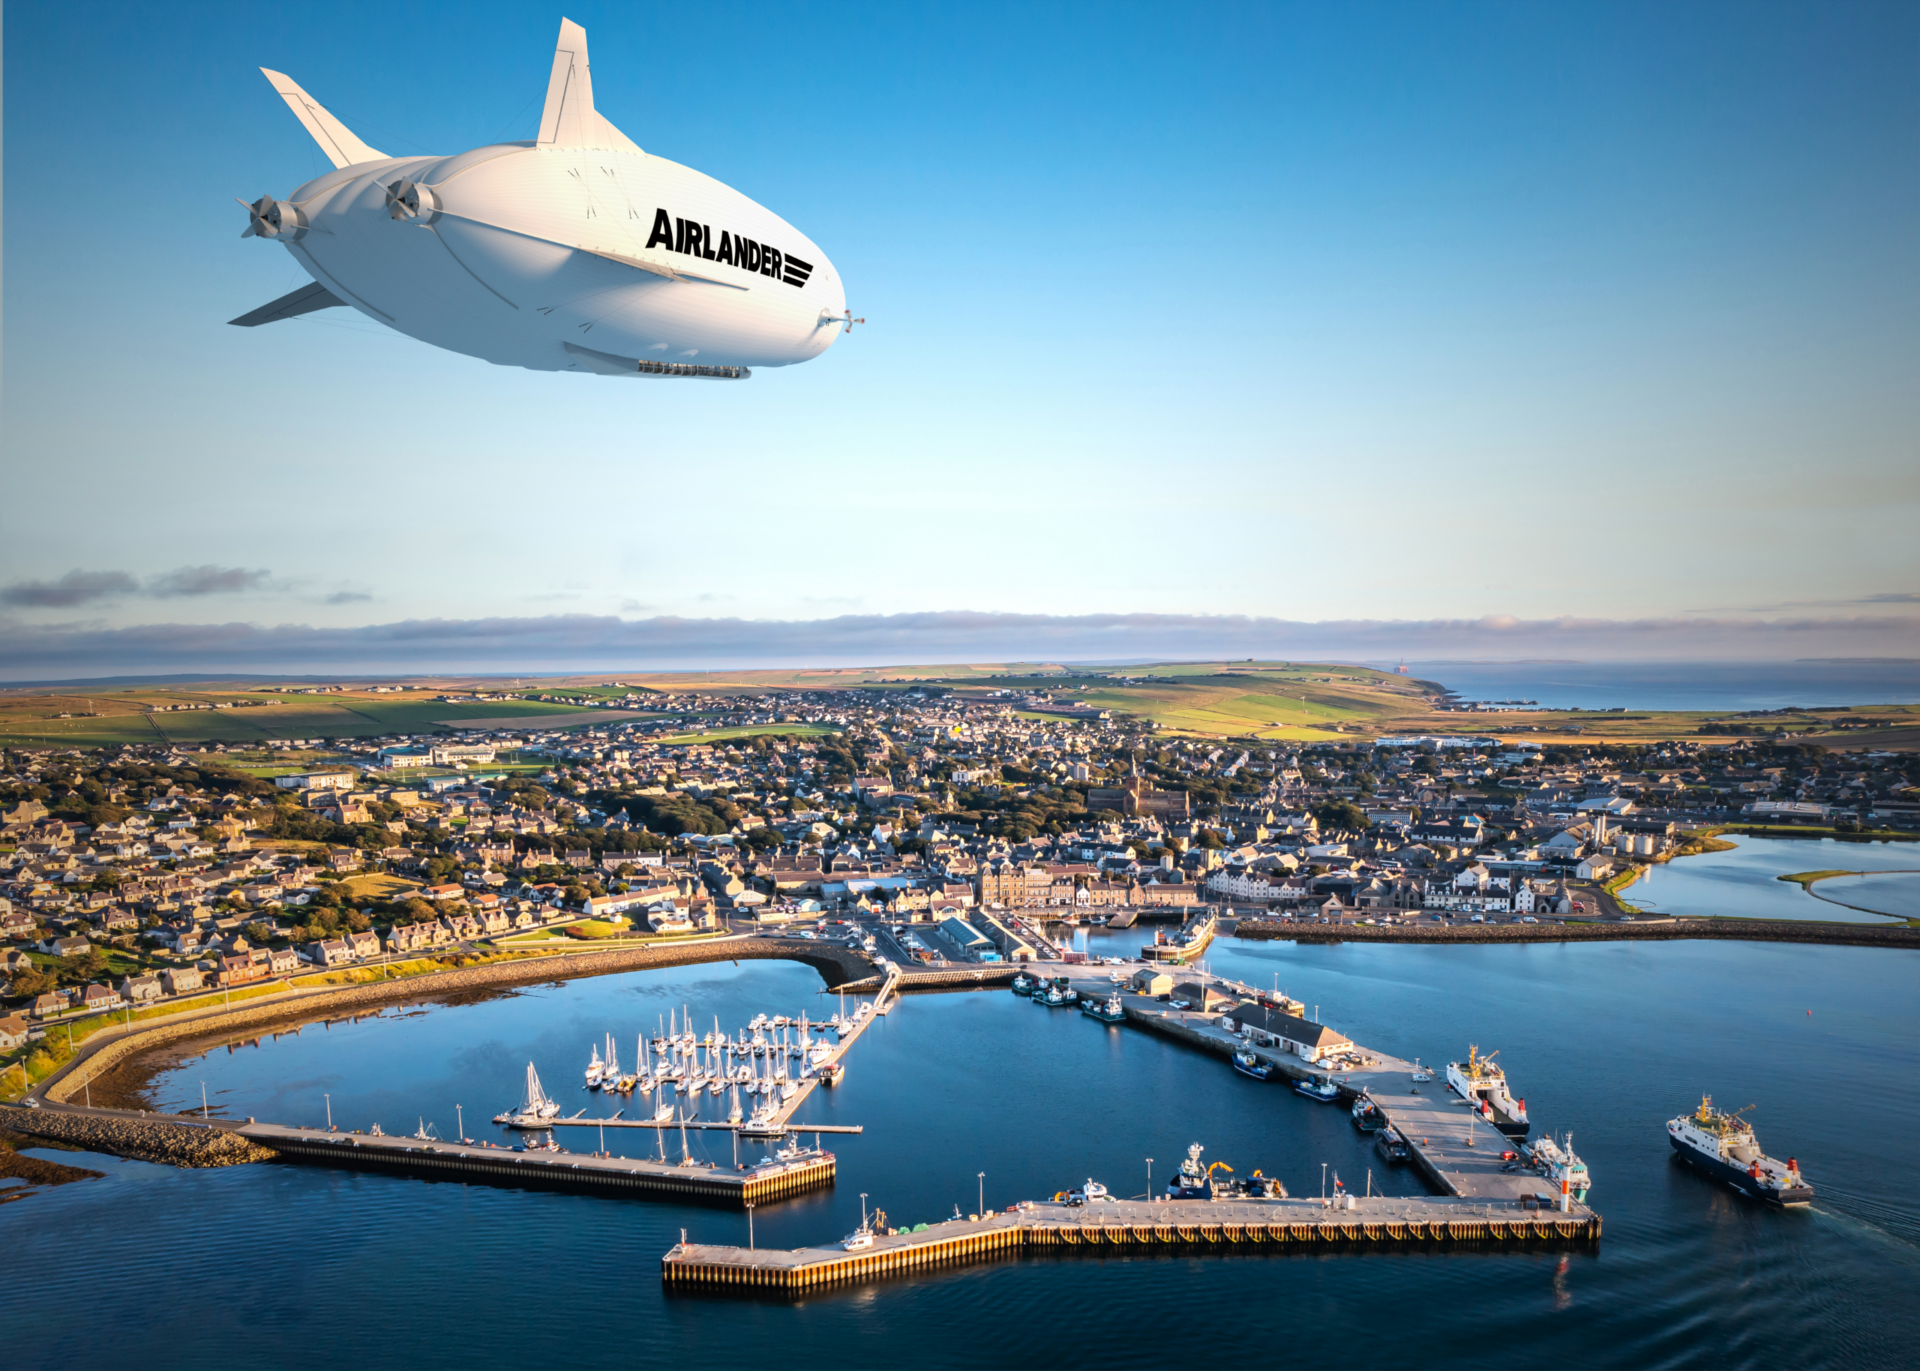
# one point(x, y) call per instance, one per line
point(1742, 883)
point(1895, 893)
point(292, 1266)
point(1679, 685)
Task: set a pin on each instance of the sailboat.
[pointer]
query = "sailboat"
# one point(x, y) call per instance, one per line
point(733, 1114)
point(536, 1108)
point(596, 1069)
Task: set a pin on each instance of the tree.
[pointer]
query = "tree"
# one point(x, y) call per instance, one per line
point(1341, 814)
point(33, 981)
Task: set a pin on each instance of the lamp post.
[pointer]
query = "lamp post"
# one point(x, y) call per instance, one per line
point(1149, 1180)
point(1323, 1182)
point(749, 1225)
point(460, 1122)
point(329, 1100)
point(983, 1194)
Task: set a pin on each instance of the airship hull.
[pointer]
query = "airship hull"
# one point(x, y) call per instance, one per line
point(575, 251)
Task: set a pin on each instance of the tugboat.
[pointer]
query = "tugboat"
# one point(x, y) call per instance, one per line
point(1247, 1064)
point(1193, 1181)
point(1366, 1114)
point(1322, 1090)
point(1484, 1086)
point(1723, 1146)
point(1390, 1145)
point(1107, 1011)
point(1562, 1163)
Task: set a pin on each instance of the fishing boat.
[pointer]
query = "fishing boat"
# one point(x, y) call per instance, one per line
point(1193, 1181)
point(1389, 1143)
point(1562, 1164)
point(1022, 985)
point(1109, 1010)
point(1723, 1146)
point(1484, 1086)
point(1249, 1064)
point(1322, 1089)
point(1366, 1114)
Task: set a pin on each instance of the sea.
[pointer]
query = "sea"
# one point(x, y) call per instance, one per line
point(1678, 685)
point(975, 1097)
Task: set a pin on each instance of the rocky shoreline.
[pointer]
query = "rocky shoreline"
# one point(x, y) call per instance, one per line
point(1663, 930)
point(171, 1141)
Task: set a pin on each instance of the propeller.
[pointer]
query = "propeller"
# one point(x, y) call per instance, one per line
point(411, 200)
point(271, 218)
point(829, 319)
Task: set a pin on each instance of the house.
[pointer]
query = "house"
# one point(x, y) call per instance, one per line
point(100, 997)
point(65, 947)
point(281, 961)
point(13, 1032)
point(240, 969)
point(363, 945)
point(1595, 868)
point(16, 923)
point(329, 952)
point(179, 980)
point(442, 892)
point(53, 1002)
point(141, 989)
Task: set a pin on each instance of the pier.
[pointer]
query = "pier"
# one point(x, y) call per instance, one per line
point(1116, 1226)
point(565, 1170)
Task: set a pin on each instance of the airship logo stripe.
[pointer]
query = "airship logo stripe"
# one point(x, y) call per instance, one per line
point(691, 239)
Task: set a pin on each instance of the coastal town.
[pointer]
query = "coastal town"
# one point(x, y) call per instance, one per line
point(952, 826)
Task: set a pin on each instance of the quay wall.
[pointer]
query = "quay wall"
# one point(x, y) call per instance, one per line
point(1745, 930)
point(105, 1050)
point(156, 1138)
point(563, 1170)
point(990, 974)
point(780, 1273)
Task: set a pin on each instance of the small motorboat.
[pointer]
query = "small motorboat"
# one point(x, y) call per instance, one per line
point(1393, 1147)
point(1366, 1114)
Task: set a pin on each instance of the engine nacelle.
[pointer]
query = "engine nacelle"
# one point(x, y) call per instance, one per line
point(271, 218)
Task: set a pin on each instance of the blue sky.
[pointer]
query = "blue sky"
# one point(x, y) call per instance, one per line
point(1294, 312)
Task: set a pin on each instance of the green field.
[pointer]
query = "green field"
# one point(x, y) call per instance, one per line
point(123, 716)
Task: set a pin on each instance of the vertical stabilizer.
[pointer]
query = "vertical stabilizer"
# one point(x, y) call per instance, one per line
point(568, 121)
point(334, 138)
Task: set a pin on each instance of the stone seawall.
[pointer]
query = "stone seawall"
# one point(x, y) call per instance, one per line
point(106, 1050)
point(1744, 930)
point(939, 980)
point(148, 1139)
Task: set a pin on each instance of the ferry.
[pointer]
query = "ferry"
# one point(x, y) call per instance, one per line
point(1723, 1146)
point(1248, 1064)
point(1483, 1085)
point(1323, 1090)
point(1107, 1011)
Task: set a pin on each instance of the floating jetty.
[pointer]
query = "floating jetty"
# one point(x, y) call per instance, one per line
point(452, 1161)
point(1116, 1226)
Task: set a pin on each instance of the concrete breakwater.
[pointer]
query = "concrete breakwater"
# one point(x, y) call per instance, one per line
point(150, 1138)
point(108, 1049)
point(1663, 930)
point(964, 978)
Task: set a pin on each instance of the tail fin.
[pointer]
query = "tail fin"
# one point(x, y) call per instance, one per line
point(569, 119)
point(334, 138)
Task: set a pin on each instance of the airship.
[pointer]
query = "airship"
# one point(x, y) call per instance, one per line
point(575, 251)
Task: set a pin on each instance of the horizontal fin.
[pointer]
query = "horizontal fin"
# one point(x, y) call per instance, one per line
point(305, 300)
point(334, 138)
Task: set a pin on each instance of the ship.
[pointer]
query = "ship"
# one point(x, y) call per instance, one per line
point(1562, 1166)
point(1366, 1114)
point(1184, 946)
point(1389, 1143)
point(1194, 1181)
point(1723, 1146)
point(1251, 1064)
point(1482, 1084)
point(1107, 1011)
point(1323, 1089)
